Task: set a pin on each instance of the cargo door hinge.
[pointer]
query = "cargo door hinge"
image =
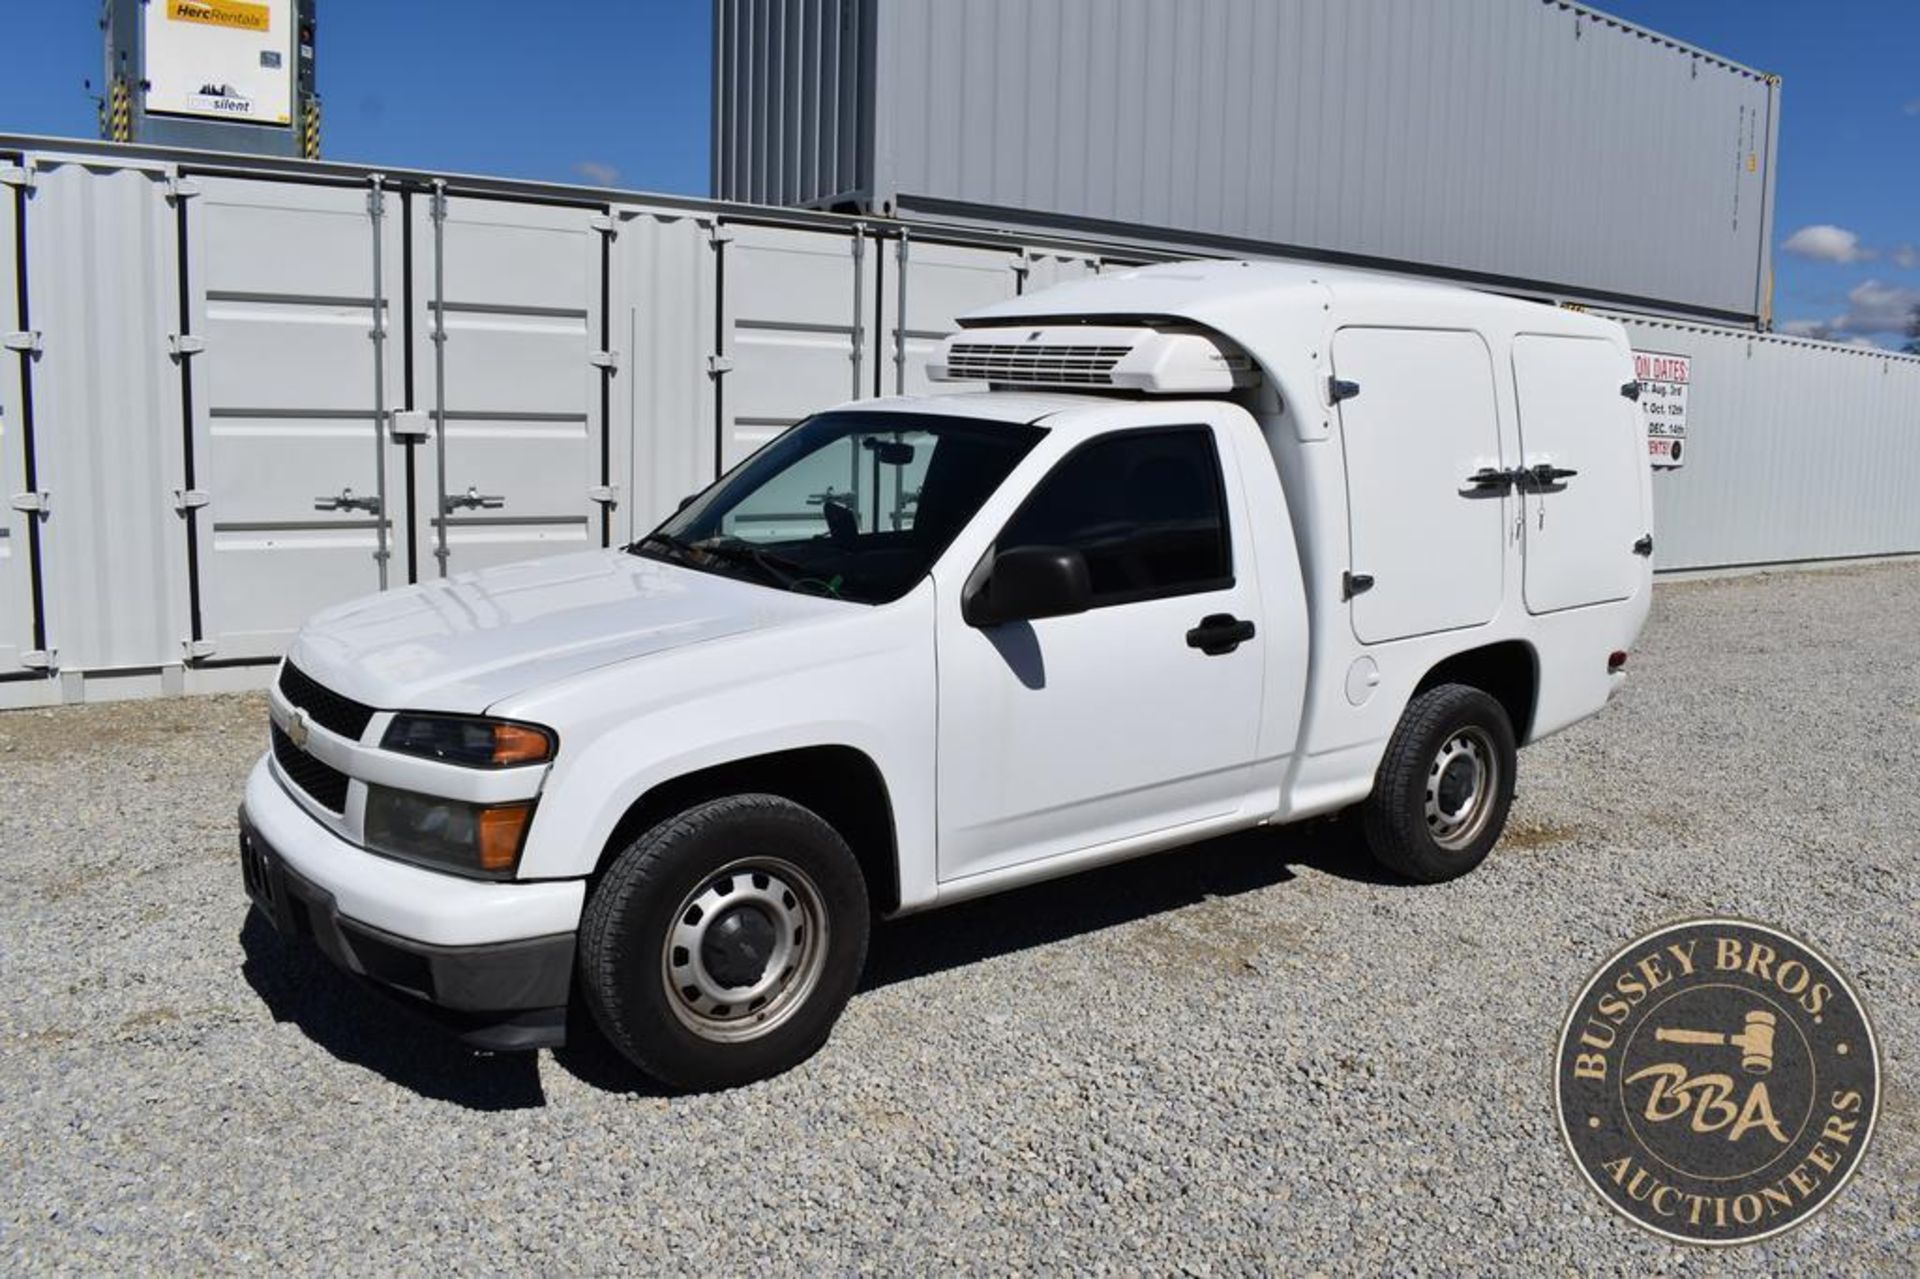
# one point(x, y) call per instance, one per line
point(27, 340)
point(1338, 390)
point(41, 659)
point(720, 235)
point(181, 345)
point(607, 495)
point(40, 503)
point(608, 360)
point(198, 648)
point(185, 500)
point(181, 189)
point(1630, 389)
point(1352, 584)
point(718, 364)
point(604, 224)
point(15, 175)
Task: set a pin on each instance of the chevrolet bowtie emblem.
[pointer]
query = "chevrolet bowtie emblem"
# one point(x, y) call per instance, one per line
point(297, 729)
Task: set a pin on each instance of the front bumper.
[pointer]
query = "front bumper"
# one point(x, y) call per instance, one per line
point(505, 994)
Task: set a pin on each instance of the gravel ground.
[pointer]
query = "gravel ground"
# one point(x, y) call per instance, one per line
point(1247, 1056)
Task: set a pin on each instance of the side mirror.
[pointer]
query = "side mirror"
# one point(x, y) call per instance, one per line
point(1030, 582)
point(685, 502)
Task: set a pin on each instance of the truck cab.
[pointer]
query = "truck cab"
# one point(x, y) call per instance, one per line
point(1187, 550)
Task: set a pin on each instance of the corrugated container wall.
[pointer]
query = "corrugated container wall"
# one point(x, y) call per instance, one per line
point(1530, 145)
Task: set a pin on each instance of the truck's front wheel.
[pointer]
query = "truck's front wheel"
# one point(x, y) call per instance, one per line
point(721, 945)
point(1441, 795)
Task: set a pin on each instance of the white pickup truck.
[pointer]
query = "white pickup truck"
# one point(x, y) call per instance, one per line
point(1223, 545)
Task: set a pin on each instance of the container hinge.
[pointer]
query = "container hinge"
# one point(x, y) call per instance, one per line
point(1022, 265)
point(606, 494)
point(181, 189)
point(1644, 546)
point(27, 340)
point(180, 345)
point(720, 235)
point(1352, 584)
point(40, 503)
point(185, 500)
point(194, 648)
point(15, 175)
point(1338, 390)
point(604, 224)
point(41, 659)
point(718, 364)
point(609, 360)
point(1630, 389)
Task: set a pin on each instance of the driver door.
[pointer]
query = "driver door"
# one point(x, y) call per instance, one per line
point(1066, 733)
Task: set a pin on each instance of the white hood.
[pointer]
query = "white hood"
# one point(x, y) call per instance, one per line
point(465, 643)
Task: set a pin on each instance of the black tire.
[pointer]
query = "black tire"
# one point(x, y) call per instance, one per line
point(659, 1003)
point(1419, 839)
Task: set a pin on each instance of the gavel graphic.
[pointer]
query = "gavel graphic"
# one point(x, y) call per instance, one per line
point(1755, 1042)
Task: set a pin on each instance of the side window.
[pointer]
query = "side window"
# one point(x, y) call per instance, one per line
point(1145, 507)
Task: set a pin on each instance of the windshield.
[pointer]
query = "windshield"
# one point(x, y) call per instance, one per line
point(852, 505)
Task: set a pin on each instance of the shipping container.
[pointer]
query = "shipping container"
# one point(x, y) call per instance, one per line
point(1796, 450)
point(1532, 146)
point(222, 398)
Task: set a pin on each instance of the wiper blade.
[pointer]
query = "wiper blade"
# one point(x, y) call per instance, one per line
point(667, 540)
point(776, 569)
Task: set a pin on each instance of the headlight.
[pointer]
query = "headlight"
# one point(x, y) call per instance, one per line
point(470, 740)
point(448, 834)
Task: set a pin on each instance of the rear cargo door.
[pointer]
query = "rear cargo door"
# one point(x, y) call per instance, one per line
point(521, 372)
point(796, 332)
point(16, 524)
point(1420, 418)
point(1582, 521)
point(297, 492)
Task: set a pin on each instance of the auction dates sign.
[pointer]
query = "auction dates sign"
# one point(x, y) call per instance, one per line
point(225, 59)
point(1664, 379)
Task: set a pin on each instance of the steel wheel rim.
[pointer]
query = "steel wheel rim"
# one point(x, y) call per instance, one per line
point(1462, 781)
point(791, 903)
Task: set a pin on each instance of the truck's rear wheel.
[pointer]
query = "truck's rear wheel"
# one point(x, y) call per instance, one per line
point(1441, 795)
point(722, 944)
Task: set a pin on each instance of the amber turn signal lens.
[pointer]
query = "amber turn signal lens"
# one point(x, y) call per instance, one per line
point(501, 830)
point(518, 744)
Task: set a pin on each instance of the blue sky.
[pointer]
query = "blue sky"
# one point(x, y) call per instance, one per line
point(616, 91)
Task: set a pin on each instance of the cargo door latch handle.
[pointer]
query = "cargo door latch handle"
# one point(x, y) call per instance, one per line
point(474, 499)
point(346, 501)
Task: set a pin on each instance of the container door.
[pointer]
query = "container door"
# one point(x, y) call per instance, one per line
point(1585, 442)
point(1427, 544)
point(930, 284)
point(16, 529)
point(298, 483)
point(521, 374)
point(796, 331)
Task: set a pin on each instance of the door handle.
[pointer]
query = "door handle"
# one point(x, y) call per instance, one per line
point(1219, 634)
point(473, 498)
point(346, 501)
point(1489, 479)
point(1545, 475)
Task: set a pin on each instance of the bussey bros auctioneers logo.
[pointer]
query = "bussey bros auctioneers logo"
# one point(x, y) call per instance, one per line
point(1717, 1081)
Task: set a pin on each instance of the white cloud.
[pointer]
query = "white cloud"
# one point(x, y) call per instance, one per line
point(1906, 257)
point(599, 174)
point(1873, 308)
point(1825, 243)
